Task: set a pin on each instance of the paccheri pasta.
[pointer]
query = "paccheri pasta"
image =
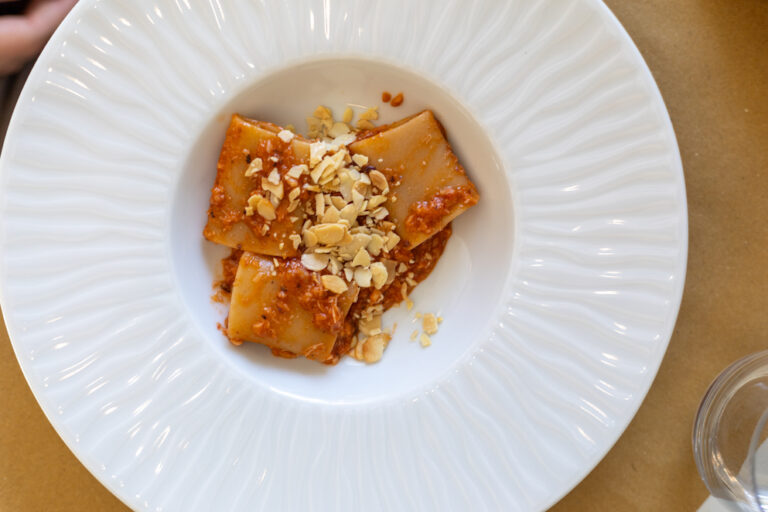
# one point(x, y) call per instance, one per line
point(330, 232)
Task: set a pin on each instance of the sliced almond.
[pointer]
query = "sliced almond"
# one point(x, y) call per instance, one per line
point(363, 277)
point(255, 166)
point(338, 202)
point(349, 213)
point(360, 160)
point(392, 240)
point(317, 151)
point(357, 199)
point(349, 274)
point(334, 284)
point(319, 205)
point(337, 129)
point(371, 114)
point(375, 201)
point(362, 259)
point(331, 215)
point(334, 265)
point(330, 234)
point(297, 170)
point(379, 213)
point(277, 190)
point(295, 240)
point(294, 194)
point(262, 206)
point(347, 115)
point(370, 326)
point(314, 262)
point(274, 177)
point(373, 348)
point(379, 274)
point(379, 180)
point(375, 245)
point(285, 135)
point(310, 239)
point(429, 323)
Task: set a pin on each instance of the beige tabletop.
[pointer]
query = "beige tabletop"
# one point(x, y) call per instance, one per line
point(710, 59)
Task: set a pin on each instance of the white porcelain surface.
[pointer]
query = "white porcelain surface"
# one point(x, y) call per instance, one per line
point(560, 289)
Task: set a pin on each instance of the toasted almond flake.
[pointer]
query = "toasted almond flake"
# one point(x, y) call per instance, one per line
point(375, 245)
point(334, 284)
point(319, 205)
point(410, 281)
point(310, 239)
point(314, 262)
point(357, 199)
point(370, 325)
point(365, 179)
point(334, 265)
point(392, 240)
point(424, 340)
point(379, 274)
point(373, 347)
point(262, 206)
point(337, 129)
point(327, 166)
point(401, 267)
point(338, 202)
point(274, 158)
point(330, 234)
point(293, 205)
point(409, 304)
point(380, 213)
point(295, 239)
point(285, 135)
point(379, 180)
point(404, 290)
point(349, 213)
point(317, 151)
point(274, 177)
point(364, 124)
point(371, 114)
point(349, 274)
point(274, 200)
point(347, 115)
point(264, 229)
point(297, 170)
point(429, 324)
point(275, 189)
point(294, 194)
point(331, 215)
point(360, 160)
point(323, 112)
point(363, 277)
point(414, 335)
point(375, 201)
point(344, 139)
point(255, 166)
point(362, 259)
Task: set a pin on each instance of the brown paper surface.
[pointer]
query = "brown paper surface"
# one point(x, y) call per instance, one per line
point(710, 59)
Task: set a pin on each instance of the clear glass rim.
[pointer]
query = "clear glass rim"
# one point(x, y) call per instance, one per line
point(718, 479)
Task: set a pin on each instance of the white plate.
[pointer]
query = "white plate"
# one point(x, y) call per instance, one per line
point(560, 290)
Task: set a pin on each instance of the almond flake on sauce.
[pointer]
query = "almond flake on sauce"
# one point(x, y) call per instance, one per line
point(285, 135)
point(255, 166)
point(334, 284)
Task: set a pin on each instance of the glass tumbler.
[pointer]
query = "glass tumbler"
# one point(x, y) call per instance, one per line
point(729, 435)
